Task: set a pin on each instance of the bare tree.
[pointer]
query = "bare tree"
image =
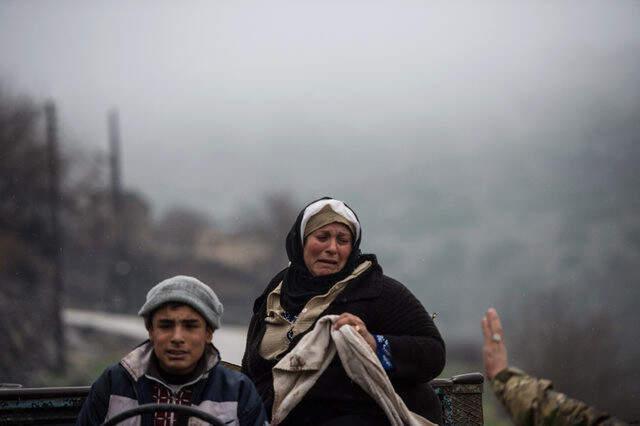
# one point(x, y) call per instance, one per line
point(25, 264)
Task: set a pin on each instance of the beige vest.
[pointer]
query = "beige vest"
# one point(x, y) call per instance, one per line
point(275, 339)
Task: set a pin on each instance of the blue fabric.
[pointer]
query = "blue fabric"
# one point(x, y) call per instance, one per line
point(289, 316)
point(383, 350)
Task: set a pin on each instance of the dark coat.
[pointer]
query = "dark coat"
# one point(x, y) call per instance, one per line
point(226, 394)
point(387, 308)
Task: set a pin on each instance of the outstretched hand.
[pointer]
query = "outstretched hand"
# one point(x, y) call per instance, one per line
point(358, 325)
point(494, 351)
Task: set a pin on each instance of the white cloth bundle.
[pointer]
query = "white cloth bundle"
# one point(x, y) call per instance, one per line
point(298, 371)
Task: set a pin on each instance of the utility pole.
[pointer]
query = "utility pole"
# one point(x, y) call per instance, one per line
point(114, 161)
point(119, 266)
point(56, 248)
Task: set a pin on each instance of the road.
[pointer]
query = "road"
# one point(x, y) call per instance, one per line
point(229, 339)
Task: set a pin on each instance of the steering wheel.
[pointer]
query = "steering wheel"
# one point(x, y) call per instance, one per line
point(152, 408)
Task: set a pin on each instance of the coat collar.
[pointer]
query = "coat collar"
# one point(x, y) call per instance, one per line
point(367, 286)
point(137, 362)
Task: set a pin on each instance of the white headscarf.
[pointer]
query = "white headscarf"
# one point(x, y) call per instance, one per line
point(337, 206)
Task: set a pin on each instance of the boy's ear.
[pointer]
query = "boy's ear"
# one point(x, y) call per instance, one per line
point(149, 326)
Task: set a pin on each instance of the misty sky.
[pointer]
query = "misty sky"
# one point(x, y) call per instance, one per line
point(222, 101)
point(442, 124)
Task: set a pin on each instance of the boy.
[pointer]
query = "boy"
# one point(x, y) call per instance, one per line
point(178, 365)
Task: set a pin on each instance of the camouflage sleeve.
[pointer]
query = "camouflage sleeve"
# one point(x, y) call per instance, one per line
point(532, 401)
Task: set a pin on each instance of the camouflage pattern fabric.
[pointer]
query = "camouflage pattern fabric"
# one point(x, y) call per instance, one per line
point(532, 401)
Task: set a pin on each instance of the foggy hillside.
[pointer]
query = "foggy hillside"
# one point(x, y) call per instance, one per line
point(491, 151)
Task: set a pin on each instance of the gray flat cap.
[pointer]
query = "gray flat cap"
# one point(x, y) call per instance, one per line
point(187, 290)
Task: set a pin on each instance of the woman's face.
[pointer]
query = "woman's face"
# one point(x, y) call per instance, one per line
point(327, 249)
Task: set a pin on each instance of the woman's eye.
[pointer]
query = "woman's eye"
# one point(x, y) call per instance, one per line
point(344, 240)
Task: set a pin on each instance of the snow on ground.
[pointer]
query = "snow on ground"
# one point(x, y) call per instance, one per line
point(229, 339)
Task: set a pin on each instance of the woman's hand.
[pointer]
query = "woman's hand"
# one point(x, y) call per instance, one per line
point(358, 325)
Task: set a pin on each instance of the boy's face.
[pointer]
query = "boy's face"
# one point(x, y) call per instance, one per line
point(179, 336)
